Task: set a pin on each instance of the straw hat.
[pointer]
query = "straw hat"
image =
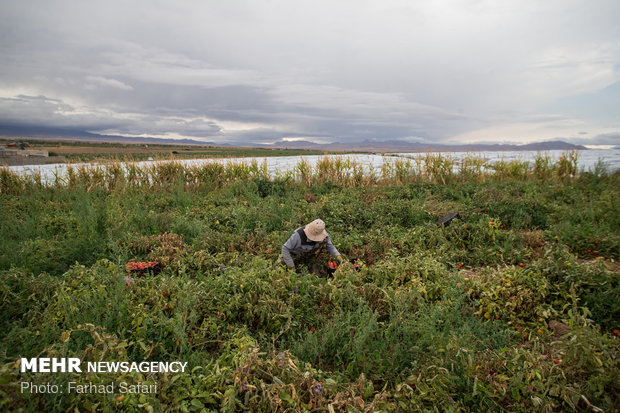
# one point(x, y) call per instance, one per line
point(315, 231)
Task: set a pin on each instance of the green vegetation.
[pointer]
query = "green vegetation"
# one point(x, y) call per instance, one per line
point(188, 153)
point(514, 307)
point(75, 152)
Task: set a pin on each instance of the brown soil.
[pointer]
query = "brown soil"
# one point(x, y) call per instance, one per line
point(66, 150)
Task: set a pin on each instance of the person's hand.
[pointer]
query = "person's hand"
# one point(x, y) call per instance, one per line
point(339, 259)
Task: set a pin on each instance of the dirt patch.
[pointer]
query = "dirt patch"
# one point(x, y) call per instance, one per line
point(559, 329)
point(534, 240)
point(67, 150)
point(441, 208)
point(370, 197)
point(310, 198)
point(491, 194)
point(469, 273)
point(610, 265)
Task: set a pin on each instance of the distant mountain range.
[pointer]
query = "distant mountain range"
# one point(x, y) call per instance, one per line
point(47, 133)
point(403, 146)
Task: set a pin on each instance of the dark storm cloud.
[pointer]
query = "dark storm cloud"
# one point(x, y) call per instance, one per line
point(244, 71)
point(607, 139)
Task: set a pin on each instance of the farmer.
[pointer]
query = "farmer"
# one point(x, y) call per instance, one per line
point(309, 245)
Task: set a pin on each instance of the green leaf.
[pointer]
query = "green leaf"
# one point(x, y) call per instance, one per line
point(197, 403)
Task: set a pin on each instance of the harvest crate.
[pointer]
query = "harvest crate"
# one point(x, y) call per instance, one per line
point(142, 268)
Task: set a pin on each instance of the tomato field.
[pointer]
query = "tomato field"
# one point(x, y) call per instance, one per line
point(512, 307)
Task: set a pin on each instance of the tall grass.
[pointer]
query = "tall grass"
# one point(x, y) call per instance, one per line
point(567, 164)
point(342, 171)
point(439, 168)
point(543, 167)
point(303, 172)
point(472, 169)
point(10, 182)
point(400, 171)
point(515, 169)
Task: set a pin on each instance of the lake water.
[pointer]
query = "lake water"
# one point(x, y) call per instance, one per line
point(372, 163)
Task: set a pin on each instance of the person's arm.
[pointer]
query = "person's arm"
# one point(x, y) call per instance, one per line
point(332, 250)
point(290, 245)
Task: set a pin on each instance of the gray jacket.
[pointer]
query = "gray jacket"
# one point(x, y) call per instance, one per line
point(299, 244)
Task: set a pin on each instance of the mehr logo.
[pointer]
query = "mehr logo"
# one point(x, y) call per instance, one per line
point(72, 365)
point(51, 365)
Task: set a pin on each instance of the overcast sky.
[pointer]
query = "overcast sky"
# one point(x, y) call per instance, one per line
point(259, 71)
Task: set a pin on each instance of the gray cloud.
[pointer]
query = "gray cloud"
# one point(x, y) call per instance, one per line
point(608, 139)
point(601, 139)
point(346, 71)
